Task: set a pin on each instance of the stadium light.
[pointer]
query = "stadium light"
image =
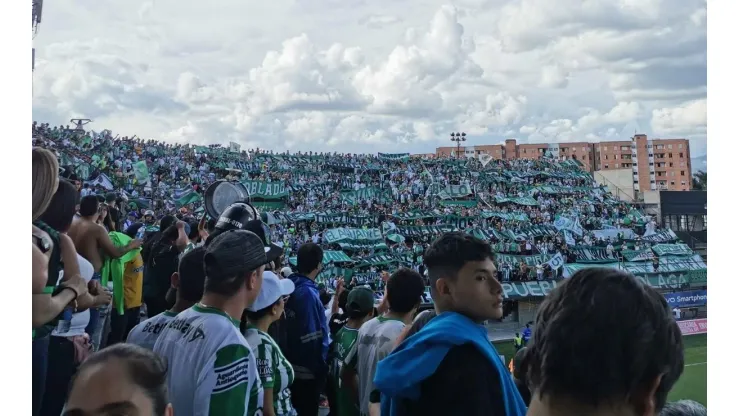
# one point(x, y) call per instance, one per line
point(458, 137)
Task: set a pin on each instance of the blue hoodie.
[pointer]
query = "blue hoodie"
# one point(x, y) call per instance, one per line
point(307, 330)
point(400, 374)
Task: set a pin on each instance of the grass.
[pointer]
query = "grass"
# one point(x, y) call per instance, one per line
point(693, 382)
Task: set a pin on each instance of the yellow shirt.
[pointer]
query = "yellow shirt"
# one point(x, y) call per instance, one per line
point(133, 280)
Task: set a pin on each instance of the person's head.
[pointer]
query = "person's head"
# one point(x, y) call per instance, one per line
point(360, 303)
point(463, 277)
point(121, 379)
point(166, 222)
point(520, 365)
point(404, 290)
point(309, 260)
point(601, 322)
point(89, 206)
point(189, 280)
point(61, 210)
point(133, 229)
point(110, 198)
point(44, 178)
point(342, 301)
point(270, 302)
point(149, 217)
point(684, 408)
point(419, 322)
point(286, 271)
point(193, 235)
point(233, 263)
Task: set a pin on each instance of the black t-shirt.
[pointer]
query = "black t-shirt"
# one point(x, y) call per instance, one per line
point(336, 322)
point(465, 383)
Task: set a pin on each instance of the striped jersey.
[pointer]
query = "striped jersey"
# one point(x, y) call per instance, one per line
point(211, 368)
point(145, 334)
point(344, 340)
point(274, 370)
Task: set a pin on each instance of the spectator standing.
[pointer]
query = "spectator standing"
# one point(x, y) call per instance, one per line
point(275, 371)
point(212, 370)
point(161, 254)
point(451, 357)
point(188, 281)
point(526, 334)
point(307, 332)
point(403, 295)
point(635, 341)
point(358, 308)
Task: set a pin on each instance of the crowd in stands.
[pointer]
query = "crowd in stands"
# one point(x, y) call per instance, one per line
point(308, 295)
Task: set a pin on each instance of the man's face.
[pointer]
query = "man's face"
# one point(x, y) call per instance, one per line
point(476, 292)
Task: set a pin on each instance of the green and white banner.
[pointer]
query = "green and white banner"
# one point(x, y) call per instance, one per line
point(268, 190)
point(590, 254)
point(672, 250)
point(672, 265)
point(455, 191)
point(336, 235)
point(369, 246)
point(363, 194)
point(638, 255)
point(566, 223)
point(330, 256)
point(531, 261)
point(660, 281)
point(394, 156)
point(525, 200)
point(666, 236)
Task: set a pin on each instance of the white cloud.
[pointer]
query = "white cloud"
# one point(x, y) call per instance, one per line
point(375, 76)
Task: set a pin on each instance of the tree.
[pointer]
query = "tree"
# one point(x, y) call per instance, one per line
point(699, 181)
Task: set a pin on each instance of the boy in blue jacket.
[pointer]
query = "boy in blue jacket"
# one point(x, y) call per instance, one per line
point(450, 367)
point(307, 332)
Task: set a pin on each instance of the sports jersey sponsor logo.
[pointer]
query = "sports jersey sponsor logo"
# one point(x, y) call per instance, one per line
point(138, 269)
point(230, 376)
point(154, 328)
point(187, 330)
point(263, 367)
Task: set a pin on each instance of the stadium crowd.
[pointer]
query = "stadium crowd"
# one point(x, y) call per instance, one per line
point(144, 305)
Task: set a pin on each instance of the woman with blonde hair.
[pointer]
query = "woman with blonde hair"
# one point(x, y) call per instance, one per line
point(45, 179)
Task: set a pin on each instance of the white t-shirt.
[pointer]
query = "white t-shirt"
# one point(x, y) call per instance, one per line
point(211, 367)
point(80, 319)
point(145, 334)
point(375, 340)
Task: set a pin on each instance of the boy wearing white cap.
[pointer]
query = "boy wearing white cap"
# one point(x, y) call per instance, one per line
point(275, 371)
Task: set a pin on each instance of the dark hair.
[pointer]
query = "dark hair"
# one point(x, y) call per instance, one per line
point(166, 222)
point(324, 296)
point(193, 230)
point(89, 205)
point(133, 229)
point(450, 252)
point(420, 321)
point(343, 299)
point(145, 369)
point(61, 210)
point(309, 257)
point(192, 275)
point(684, 408)
point(210, 224)
point(255, 316)
point(604, 321)
point(405, 287)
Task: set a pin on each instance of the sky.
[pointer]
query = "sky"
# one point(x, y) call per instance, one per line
point(375, 76)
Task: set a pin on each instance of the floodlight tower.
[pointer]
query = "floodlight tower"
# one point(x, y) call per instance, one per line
point(459, 138)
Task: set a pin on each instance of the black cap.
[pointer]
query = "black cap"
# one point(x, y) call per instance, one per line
point(272, 251)
point(233, 252)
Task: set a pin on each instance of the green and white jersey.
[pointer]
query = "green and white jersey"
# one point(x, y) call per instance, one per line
point(376, 339)
point(145, 334)
point(274, 370)
point(344, 340)
point(211, 368)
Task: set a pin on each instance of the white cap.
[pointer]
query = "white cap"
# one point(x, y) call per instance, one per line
point(273, 288)
point(286, 271)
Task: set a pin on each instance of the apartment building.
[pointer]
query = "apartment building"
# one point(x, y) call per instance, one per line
point(656, 164)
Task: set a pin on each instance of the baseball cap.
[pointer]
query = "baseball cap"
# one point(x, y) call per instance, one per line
point(286, 271)
point(258, 227)
point(233, 252)
point(273, 288)
point(360, 300)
